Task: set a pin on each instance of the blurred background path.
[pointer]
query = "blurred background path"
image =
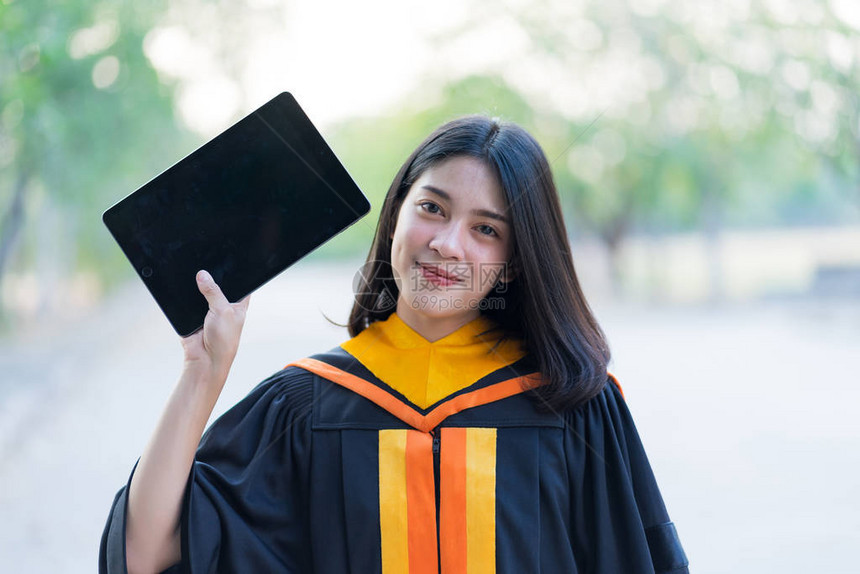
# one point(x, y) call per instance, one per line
point(748, 414)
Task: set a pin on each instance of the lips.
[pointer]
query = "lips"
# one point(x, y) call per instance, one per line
point(438, 275)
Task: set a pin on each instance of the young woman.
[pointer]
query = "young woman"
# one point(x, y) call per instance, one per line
point(467, 426)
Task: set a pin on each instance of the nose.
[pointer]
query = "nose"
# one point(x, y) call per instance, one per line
point(448, 242)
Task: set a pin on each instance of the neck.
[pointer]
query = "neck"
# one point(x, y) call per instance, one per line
point(433, 328)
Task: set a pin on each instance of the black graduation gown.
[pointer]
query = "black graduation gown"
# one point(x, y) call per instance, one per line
point(324, 468)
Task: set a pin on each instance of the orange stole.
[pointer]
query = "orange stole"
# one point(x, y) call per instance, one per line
point(468, 500)
point(407, 507)
point(407, 502)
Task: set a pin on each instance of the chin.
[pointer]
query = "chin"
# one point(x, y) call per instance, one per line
point(438, 305)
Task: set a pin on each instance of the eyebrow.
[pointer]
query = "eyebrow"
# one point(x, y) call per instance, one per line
point(482, 212)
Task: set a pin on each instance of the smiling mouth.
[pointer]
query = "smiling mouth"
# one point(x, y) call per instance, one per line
point(437, 274)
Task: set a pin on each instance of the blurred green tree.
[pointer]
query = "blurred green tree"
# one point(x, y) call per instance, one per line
point(709, 112)
point(81, 111)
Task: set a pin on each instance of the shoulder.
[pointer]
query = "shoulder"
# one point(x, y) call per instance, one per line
point(291, 386)
point(604, 427)
point(607, 407)
point(282, 399)
point(290, 383)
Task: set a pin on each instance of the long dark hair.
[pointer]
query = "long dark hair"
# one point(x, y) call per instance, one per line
point(544, 304)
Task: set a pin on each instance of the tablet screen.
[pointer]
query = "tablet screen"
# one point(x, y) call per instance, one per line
point(245, 206)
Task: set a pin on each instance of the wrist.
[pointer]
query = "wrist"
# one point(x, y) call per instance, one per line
point(202, 378)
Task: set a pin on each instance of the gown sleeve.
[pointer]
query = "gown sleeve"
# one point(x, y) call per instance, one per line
point(245, 504)
point(619, 520)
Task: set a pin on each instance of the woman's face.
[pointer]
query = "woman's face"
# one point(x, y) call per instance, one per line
point(451, 243)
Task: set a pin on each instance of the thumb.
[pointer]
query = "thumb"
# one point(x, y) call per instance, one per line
point(210, 290)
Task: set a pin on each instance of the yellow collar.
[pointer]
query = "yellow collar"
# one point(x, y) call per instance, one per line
point(426, 372)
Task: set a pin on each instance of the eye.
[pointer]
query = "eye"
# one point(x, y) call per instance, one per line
point(430, 207)
point(486, 230)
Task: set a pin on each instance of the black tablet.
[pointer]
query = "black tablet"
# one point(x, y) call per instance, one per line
point(245, 206)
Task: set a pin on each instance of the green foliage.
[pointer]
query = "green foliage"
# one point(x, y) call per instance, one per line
point(84, 119)
point(673, 115)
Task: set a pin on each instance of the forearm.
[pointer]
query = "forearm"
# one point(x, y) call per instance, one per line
point(157, 488)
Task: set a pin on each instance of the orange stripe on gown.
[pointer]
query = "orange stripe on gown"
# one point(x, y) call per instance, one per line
point(468, 513)
point(421, 505)
point(453, 500)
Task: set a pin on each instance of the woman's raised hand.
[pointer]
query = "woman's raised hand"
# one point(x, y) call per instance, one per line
point(210, 351)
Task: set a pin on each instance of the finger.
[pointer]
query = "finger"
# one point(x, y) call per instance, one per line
point(243, 303)
point(210, 290)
